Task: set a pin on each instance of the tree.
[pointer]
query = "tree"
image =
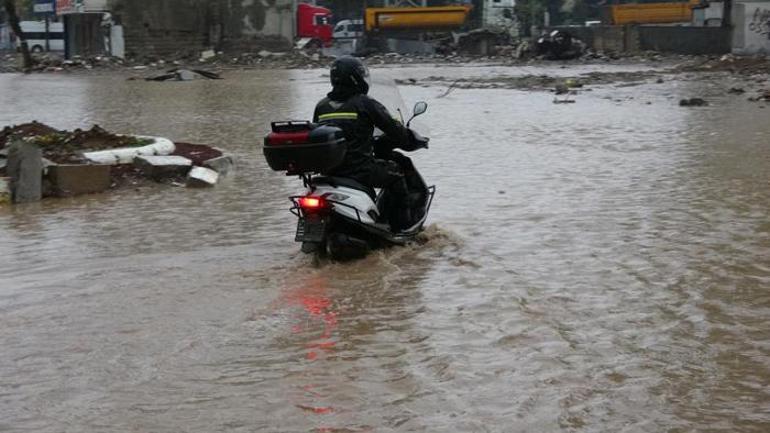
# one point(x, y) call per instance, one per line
point(13, 20)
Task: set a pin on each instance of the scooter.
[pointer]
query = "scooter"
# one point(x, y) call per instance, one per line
point(339, 217)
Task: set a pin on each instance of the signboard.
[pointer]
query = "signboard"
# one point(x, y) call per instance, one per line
point(66, 6)
point(44, 6)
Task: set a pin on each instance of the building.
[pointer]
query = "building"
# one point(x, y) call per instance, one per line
point(751, 27)
point(161, 28)
point(87, 27)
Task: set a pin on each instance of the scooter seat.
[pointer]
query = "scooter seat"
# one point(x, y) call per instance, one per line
point(344, 182)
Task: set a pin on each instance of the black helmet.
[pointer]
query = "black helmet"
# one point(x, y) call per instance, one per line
point(348, 71)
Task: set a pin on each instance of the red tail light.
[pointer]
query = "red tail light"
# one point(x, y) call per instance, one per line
point(311, 203)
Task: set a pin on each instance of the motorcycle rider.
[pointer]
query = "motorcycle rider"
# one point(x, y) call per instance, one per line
point(348, 107)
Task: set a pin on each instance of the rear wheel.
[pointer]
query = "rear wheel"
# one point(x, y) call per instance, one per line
point(342, 247)
point(37, 49)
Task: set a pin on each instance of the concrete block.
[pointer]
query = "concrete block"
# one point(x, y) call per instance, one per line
point(71, 180)
point(25, 168)
point(160, 146)
point(201, 177)
point(222, 165)
point(163, 167)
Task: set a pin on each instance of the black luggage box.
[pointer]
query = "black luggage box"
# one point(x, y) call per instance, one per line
point(304, 147)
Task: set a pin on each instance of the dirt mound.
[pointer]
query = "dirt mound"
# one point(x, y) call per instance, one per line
point(65, 147)
point(25, 130)
point(731, 63)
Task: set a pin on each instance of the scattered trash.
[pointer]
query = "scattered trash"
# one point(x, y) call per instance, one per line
point(208, 54)
point(764, 95)
point(563, 101)
point(693, 102)
point(736, 90)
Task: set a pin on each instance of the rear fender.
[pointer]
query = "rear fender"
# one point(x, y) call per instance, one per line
point(348, 203)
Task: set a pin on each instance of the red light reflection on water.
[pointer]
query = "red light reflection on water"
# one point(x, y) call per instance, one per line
point(318, 323)
point(315, 302)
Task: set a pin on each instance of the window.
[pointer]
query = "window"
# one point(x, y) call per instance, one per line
point(321, 20)
point(356, 27)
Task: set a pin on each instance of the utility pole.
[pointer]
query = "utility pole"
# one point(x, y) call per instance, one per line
point(727, 14)
point(13, 20)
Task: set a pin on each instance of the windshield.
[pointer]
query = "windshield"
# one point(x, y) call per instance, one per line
point(384, 89)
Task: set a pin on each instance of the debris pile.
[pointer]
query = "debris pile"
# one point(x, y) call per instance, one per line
point(294, 59)
point(693, 102)
point(55, 63)
point(763, 95)
point(744, 65)
point(535, 82)
point(38, 161)
point(177, 74)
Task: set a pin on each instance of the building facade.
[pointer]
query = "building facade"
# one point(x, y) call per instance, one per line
point(159, 28)
point(751, 27)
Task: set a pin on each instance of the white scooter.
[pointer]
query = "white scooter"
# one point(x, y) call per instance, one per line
point(338, 216)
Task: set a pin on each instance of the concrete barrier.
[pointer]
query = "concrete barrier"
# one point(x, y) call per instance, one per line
point(685, 39)
point(72, 180)
point(669, 39)
point(25, 168)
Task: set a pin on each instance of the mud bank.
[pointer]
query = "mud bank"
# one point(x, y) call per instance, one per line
point(46, 162)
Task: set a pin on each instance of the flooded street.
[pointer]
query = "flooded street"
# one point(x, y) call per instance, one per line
point(601, 266)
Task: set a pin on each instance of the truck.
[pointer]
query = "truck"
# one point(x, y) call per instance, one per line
point(401, 28)
point(415, 19)
point(314, 25)
point(650, 13)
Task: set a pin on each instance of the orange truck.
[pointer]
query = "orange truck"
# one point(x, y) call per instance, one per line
point(408, 19)
point(650, 13)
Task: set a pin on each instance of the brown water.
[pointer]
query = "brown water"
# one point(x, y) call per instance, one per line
point(602, 266)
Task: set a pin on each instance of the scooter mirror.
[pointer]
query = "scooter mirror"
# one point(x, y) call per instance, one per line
point(420, 108)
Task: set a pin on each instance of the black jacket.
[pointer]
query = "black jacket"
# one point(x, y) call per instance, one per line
point(358, 115)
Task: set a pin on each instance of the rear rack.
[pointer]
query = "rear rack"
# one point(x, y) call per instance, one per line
point(296, 209)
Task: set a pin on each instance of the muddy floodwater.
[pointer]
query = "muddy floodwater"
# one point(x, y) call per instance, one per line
point(599, 266)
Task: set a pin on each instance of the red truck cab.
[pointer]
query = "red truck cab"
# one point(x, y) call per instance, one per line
point(314, 22)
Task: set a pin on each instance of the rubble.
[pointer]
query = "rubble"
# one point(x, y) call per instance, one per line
point(160, 168)
point(560, 85)
point(764, 95)
point(743, 65)
point(41, 161)
point(185, 75)
point(201, 177)
point(222, 164)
